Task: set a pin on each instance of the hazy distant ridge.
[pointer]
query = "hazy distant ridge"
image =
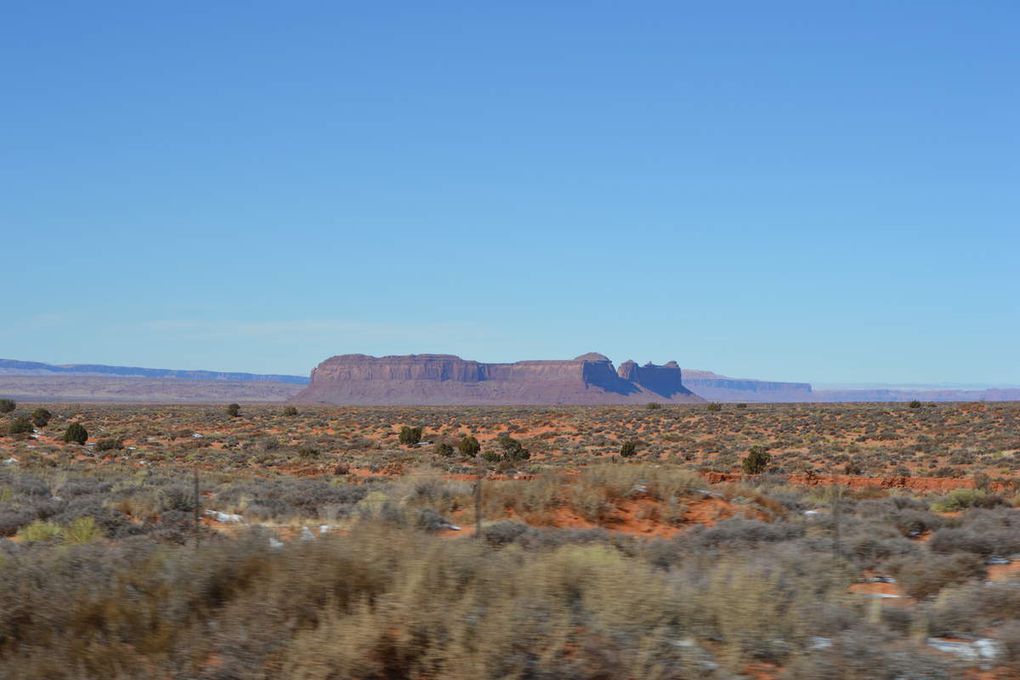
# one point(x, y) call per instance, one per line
point(15, 367)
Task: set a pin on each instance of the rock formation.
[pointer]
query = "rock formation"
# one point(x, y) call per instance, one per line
point(662, 380)
point(424, 379)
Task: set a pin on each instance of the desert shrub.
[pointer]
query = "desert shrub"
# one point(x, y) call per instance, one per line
point(269, 444)
point(410, 436)
point(109, 444)
point(915, 404)
point(289, 497)
point(653, 406)
point(82, 530)
point(108, 520)
point(308, 452)
point(756, 461)
point(853, 468)
point(443, 449)
point(513, 450)
point(970, 608)
point(19, 426)
point(435, 492)
point(741, 405)
point(914, 522)
point(468, 446)
point(173, 526)
point(628, 448)
point(626, 481)
point(39, 531)
point(41, 417)
point(176, 497)
point(233, 410)
point(84, 486)
point(12, 519)
point(430, 520)
point(7, 405)
point(961, 499)
point(714, 407)
point(590, 502)
point(984, 532)
point(924, 578)
point(76, 434)
point(873, 544)
point(290, 411)
point(505, 532)
point(741, 532)
point(860, 654)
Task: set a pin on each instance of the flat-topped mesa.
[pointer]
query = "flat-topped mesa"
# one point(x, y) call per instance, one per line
point(423, 379)
point(723, 388)
point(665, 380)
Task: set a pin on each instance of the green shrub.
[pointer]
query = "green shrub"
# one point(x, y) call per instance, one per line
point(7, 405)
point(961, 499)
point(410, 436)
point(290, 411)
point(76, 434)
point(468, 446)
point(714, 407)
point(39, 531)
point(82, 530)
point(20, 426)
point(628, 448)
point(513, 450)
point(41, 417)
point(443, 449)
point(756, 461)
point(233, 410)
point(915, 404)
point(653, 406)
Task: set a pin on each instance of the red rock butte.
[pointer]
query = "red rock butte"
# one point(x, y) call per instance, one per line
point(444, 379)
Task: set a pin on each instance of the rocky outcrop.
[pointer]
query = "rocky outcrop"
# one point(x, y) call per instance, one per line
point(663, 380)
point(424, 379)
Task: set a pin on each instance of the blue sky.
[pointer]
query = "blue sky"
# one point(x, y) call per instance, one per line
point(816, 191)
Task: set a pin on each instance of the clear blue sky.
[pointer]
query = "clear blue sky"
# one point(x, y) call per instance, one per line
point(813, 190)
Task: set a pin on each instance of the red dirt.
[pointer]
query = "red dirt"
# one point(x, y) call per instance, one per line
point(1004, 572)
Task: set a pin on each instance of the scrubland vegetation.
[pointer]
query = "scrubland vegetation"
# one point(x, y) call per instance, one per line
point(333, 544)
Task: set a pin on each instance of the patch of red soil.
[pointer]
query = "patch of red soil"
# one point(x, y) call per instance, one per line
point(561, 517)
point(1004, 572)
point(888, 594)
point(708, 511)
point(641, 517)
point(762, 671)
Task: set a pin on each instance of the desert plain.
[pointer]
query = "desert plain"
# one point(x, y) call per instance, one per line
point(653, 541)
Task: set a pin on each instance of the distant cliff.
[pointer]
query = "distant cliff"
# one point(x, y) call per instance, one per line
point(36, 368)
point(437, 379)
point(715, 387)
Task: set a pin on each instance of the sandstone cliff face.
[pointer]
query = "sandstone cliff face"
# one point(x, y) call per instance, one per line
point(663, 380)
point(424, 379)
